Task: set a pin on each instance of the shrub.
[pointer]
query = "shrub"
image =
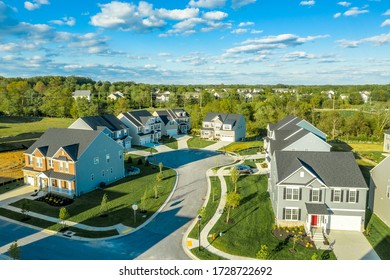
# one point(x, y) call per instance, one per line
point(129, 159)
point(102, 185)
point(146, 162)
point(140, 161)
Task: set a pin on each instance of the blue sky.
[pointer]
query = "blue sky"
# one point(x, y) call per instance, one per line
point(198, 41)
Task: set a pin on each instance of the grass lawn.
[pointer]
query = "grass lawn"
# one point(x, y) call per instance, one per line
point(211, 206)
point(11, 164)
point(376, 156)
point(143, 148)
point(122, 194)
point(366, 147)
point(379, 237)
point(197, 143)
point(365, 168)
point(252, 223)
point(250, 163)
point(169, 142)
point(244, 148)
point(55, 227)
point(11, 186)
point(204, 254)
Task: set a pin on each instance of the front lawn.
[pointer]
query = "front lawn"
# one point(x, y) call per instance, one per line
point(121, 196)
point(244, 148)
point(144, 148)
point(198, 143)
point(169, 142)
point(252, 223)
point(204, 254)
point(379, 237)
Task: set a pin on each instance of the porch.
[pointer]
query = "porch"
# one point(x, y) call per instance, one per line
point(317, 220)
point(63, 184)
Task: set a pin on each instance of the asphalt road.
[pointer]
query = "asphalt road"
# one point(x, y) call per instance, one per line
point(161, 239)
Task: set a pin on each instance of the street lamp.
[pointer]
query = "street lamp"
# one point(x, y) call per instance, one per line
point(135, 208)
point(199, 219)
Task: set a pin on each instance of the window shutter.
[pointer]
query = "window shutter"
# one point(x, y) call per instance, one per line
point(347, 198)
point(299, 214)
point(300, 194)
point(284, 195)
point(341, 196)
point(320, 195)
point(357, 196)
point(331, 195)
point(284, 214)
point(311, 195)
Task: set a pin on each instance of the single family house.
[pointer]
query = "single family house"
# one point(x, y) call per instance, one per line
point(224, 127)
point(173, 121)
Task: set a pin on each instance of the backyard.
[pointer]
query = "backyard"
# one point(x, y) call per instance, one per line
point(121, 196)
point(252, 223)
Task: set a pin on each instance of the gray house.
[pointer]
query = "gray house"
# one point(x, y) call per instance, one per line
point(71, 162)
point(386, 141)
point(224, 127)
point(144, 128)
point(379, 198)
point(109, 124)
point(173, 121)
point(294, 134)
point(319, 190)
point(82, 94)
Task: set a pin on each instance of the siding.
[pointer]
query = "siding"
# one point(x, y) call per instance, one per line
point(309, 142)
point(380, 179)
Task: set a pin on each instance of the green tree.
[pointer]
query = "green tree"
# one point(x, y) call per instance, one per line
point(159, 177)
point(263, 253)
point(234, 176)
point(63, 216)
point(104, 205)
point(121, 105)
point(232, 201)
point(155, 189)
point(144, 199)
point(161, 166)
point(314, 257)
point(14, 250)
point(25, 207)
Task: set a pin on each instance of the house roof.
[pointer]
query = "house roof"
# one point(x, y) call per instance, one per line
point(335, 169)
point(57, 175)
point(166, 115)
point(138, 117)
point(81, 93)
point(317, 208)
point(109, 121)
point(224, 117)
point(73, 141)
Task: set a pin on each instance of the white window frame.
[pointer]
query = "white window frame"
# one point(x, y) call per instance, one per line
point(96, 160)
point(293, 190)
point(66, 166)
point(289, 214)
point(354, 197)
point(50, 162)
point(39, 162)
point(30, 160)
point(318, 195)
point(334, 195)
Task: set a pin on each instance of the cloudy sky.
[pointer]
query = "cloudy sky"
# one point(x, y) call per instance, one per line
point(198, 41)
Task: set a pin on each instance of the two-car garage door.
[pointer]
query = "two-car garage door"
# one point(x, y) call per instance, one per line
point(338, 222)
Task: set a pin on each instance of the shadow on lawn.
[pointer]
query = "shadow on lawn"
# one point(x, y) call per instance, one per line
point(250, 212)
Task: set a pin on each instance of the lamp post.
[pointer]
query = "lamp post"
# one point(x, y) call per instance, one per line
point(135, 208)
point(199, 219)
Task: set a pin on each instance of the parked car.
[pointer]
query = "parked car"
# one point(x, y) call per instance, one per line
point(244, 169)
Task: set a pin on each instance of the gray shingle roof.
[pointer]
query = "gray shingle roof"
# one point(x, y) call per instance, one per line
point(317, 208)
point(166, 115)
point(109, 121)
point(74, 141)
point(57, 175)
point(138, 117)
point(335, 169)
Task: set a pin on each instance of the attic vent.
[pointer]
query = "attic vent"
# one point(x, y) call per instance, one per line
point(302, 174)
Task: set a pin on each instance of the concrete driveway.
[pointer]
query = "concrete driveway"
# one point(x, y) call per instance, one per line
point(217, 146)
point(351, 245)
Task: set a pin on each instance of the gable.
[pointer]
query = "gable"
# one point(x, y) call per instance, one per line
point(61, 153)
point(308, 126)
point(296, 177)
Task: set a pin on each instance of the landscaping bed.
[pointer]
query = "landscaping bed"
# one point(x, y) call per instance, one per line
point(287, 233)
point(55, 200)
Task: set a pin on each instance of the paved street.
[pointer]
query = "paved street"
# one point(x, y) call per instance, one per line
point(160, 239)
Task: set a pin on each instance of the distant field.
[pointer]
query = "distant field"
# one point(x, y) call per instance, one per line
point(11, 164)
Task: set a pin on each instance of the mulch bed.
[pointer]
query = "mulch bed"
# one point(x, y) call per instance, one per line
point(286, 234)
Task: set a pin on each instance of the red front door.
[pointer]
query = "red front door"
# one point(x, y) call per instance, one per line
point(314, 220)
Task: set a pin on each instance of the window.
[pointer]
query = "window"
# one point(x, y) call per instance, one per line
point(50, 163)
point(39, 162)
point(337, 196)
point(120, 152)
point(66, 165)
point(388, 192)
point(291, 214)
point(315, 195)
point(352, 198)
point(30, 160)
point(96, 160)
point(292, 194)
point(107, 158)
point(103, 173)
point(111, 170)
point(92, 177)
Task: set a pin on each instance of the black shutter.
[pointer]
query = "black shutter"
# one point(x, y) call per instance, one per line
point(331, 195)
point(310, 194)
point(284, 194)
point(347, 198)
point(357, 196)
point(320, 195)
point(284, 213)
point(299, 214)
point(342, 194)
point(300, 194)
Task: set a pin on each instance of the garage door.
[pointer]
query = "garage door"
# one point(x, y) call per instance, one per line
point(338, 222)
point(227, 138)
point(171, 131)
point(30, 180)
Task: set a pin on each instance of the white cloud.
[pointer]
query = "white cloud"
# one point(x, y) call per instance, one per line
point(215, 15)
point(164, 54)
point(248, 23)
point(337, 15)
point(387, 13)
point(35, 4)
point(239, 31)
point(378, 40)
point(177, 14)
point(299, 55)
point(8, 47)
point(386, 23)
point(254, 31)
point(207, 3)
point(307, 3)
point(64, 21)
point(344, 4)
point(236, 4)
point(354, 12)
